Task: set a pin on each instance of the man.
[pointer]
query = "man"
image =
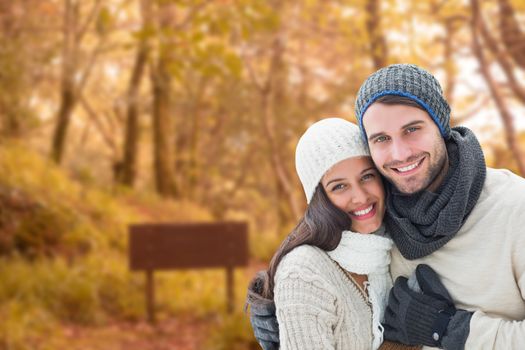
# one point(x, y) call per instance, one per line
point(445, 209)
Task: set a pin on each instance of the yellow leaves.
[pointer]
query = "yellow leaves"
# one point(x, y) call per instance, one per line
point(104, 21)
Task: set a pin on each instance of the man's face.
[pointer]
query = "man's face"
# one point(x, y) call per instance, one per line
point(406, 146)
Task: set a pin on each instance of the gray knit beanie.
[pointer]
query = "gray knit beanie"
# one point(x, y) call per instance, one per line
point(324, 144)
point(410, 81)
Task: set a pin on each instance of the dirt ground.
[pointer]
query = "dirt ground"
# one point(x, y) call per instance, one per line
point(183, 333)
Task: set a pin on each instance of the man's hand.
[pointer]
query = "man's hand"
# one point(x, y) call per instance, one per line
point(262, 315)
point(424, 317)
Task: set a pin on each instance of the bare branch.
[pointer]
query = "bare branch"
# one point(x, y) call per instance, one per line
point(502, 58)
point(89, 68)
point(191, 14)
point(92, 15)
point(93, 116)
point(252, 75)
point(510, 132)
point(512, 36)
point(459, 119)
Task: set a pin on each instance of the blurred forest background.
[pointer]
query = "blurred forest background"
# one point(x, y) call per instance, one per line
point(121, 111)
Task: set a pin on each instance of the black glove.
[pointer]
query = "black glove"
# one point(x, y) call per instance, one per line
point(262, 315)
point(423, 318)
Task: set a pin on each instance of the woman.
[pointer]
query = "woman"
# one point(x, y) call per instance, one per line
point(329, 278)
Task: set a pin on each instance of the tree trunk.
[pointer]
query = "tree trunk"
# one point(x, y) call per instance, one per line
point(188, 137)
point(510, 132)
point(269, 94)
point(193, 163)
point(12, 80)
point(378, 48)
point(163, 130)
point(163, 125)
point(450, 70)
point(131, 137)
point(67, 94)
point(70, 90)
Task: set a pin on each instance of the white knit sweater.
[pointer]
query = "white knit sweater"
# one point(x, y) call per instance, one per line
point(319, 307)
point(483, 266)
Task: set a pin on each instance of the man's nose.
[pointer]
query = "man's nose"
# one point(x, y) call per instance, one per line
point(400, 150)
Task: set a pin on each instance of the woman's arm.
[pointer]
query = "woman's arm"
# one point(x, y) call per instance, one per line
point(306, 311)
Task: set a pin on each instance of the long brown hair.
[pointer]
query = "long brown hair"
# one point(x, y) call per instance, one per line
point(321, 226)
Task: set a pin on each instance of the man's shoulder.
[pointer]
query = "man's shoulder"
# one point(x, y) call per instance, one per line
point(503, 179)
point(504, 173)
point(503, 185)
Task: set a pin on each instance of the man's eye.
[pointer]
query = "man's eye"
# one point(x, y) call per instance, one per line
point(411, 129)
point(380, 139)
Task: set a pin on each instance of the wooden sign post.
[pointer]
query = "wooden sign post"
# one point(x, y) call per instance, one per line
point(187, 246)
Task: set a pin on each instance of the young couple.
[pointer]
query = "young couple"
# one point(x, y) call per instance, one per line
point(440, 212)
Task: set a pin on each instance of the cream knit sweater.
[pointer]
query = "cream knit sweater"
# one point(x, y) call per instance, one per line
point(319, 307)
point(483, 266)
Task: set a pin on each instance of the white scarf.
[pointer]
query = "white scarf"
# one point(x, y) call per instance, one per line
point(368, 254)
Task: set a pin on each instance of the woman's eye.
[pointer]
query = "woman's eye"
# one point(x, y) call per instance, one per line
point(338, 187)
point(367, 177)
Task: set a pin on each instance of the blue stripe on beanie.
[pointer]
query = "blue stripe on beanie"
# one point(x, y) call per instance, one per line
point(429, 110)
point(410, 81)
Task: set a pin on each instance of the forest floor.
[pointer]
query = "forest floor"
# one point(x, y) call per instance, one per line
point(182, 333)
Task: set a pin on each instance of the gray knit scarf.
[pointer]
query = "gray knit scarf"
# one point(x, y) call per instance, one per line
point(423, 222)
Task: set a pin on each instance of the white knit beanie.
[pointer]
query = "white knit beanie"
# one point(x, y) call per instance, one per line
point(324, 144)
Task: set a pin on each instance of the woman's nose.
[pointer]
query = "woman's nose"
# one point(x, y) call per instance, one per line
point(359, 195)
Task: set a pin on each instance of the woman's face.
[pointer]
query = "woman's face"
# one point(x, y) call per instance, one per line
point(354, 186)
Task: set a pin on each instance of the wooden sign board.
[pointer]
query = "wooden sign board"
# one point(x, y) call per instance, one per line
point(187, 246)
point(191, 245)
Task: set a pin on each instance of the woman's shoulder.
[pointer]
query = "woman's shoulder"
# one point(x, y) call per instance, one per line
point(306, 253)
point(305, 259)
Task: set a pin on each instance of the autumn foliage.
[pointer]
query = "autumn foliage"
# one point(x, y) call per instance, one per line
point(123, 111)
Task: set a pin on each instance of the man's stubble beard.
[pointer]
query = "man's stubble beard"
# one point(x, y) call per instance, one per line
point(432, 178)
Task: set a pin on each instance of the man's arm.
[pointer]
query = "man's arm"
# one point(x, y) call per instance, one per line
point(426, 316)
point(488, 332)
point(262, 314)
point(411, 317)
point(491, 332)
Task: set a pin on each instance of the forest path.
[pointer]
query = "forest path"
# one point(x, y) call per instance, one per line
point(181, 333)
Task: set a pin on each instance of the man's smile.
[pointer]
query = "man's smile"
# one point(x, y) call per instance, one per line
point(409, 168)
